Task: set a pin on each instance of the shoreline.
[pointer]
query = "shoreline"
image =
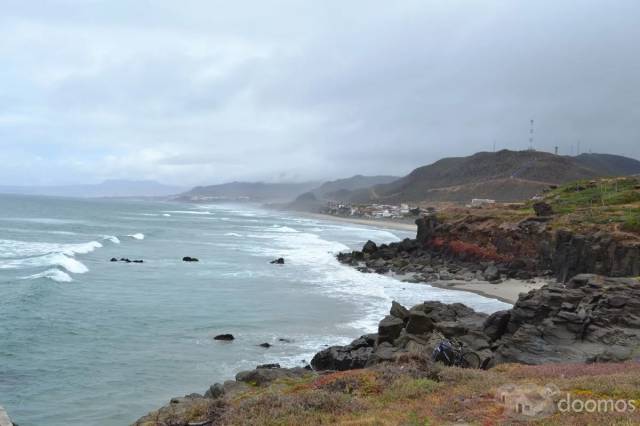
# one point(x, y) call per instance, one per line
point(507, 291)
point(382, 223)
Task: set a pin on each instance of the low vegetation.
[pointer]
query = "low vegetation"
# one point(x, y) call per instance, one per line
point(414, 392)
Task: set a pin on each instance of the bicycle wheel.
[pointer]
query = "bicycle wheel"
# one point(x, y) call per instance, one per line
point(470, 360)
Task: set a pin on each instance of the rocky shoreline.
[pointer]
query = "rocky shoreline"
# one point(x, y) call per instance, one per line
point(591, 319)
point(576, 317)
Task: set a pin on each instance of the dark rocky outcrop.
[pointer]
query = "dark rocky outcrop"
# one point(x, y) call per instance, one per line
point(190, 259)
point(278, 261)
point(591, 319)
point(224, 337)
point(354, 355)
point(599, 253)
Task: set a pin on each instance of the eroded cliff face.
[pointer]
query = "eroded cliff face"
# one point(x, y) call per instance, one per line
point(532, 245)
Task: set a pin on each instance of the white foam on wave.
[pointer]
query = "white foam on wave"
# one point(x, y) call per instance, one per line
point(15, 249)
point(137, 236)
point(53, 259)
point(232, 234)
point(370, 293)
point(166, 215)
point(112, 238)
point(52, 274)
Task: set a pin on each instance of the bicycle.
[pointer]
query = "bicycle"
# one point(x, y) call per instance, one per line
point(453, 354)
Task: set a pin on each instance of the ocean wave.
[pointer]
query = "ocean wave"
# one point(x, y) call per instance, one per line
point(17, 249)
point(52, 274)
point(112, 238)
point(54, 259)
point(137, 236)
point(166, 215)
point(232, 234)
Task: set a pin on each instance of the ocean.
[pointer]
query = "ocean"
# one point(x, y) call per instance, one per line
point(85, 341)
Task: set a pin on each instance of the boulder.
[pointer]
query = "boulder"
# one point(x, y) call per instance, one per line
point(190, 259)
point(278, 261)
point(113, 259)
point(389, 329)
point(265, 345)
point(491, 273)
point(419, 322)
point(214, 391)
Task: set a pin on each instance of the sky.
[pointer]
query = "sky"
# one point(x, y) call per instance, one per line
point(201, 92)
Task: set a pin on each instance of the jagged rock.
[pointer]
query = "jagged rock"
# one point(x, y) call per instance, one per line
point(369, 247)
point(278, 261)
point(542, 209)
point(496, 324)
point(576, 323)
point(389, 329)
point(190, 259)
point(399, 311)
point(265, 345)
point(224, 337)
point(419, 323)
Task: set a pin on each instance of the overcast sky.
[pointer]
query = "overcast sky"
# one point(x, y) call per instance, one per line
point(192, 92)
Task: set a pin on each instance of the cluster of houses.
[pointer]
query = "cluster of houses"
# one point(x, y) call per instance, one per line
point(372, 211)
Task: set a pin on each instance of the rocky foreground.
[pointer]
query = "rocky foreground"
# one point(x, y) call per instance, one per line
point(590, 320)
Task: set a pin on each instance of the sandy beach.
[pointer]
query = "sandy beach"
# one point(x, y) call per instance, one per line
point(507, 291)
point(378, 223)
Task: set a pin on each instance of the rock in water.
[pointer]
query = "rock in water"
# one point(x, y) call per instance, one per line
point(265, 345)
point(369, 247)
point(224, 337)
point(113, 259)
point(190, 259)
point(278, 261)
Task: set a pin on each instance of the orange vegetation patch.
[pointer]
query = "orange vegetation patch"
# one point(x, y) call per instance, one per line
point(469, 250)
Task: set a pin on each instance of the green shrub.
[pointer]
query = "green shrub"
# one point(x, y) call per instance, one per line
point(631, 222)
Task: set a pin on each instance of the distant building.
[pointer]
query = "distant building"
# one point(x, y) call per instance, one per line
point(479, 202)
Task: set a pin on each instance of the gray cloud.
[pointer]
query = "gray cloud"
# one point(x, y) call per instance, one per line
point(208, 91)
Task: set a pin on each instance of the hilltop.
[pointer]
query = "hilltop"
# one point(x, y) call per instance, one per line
point(504, 176)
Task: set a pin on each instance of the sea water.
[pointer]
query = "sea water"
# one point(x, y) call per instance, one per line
point(85, 341)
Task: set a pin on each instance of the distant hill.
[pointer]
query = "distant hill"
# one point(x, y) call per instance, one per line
point(335, 190)
point(249, 191)
point(108, 188)
point(609, 165)
point(503, 176)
